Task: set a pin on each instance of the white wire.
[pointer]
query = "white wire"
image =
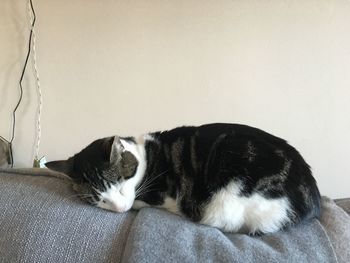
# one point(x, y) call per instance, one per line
point(37, 81)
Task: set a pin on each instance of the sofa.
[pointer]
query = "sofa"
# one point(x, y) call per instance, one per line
point(42, 220)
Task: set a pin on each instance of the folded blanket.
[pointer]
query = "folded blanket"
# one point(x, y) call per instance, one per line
point(41, 220)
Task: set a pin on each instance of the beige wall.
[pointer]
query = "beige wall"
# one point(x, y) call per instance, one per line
point(127, 67)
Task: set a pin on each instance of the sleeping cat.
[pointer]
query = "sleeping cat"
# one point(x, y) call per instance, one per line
point(229, 176)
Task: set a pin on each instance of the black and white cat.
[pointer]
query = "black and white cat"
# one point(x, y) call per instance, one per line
point(229, 176)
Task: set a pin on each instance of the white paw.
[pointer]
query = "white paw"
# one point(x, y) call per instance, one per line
point(137, 205)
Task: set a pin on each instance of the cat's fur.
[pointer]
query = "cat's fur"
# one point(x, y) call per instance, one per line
point(230, 176)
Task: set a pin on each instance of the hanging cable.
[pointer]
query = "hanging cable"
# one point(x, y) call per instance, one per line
point(32, 17)
point(20, 82)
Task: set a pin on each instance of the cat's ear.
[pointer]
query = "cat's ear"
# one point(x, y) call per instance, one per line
point(63, 166)
point(128, 164)
point(125, 160)
point(116, 151)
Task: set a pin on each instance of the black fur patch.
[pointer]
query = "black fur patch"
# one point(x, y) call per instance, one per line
point(199, 161)
point(191, 164)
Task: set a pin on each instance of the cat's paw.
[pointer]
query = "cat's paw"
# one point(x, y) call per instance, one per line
point(138, 204)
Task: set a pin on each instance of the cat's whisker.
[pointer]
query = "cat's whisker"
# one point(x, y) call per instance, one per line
point(149, 181)
point(147, 191)
point(214, 169)
point(146, 187)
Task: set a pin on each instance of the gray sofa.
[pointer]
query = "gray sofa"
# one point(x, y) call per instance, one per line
point(41, 220)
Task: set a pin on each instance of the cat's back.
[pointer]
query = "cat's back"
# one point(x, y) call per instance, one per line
point(202, 141)
point(213, 132)
point(241, 176)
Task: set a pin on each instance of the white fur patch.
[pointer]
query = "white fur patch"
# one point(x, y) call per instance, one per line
point(138, 204)
point(138, 150)
point(112, 199)
point(120, 197)
point(233, 213)
point(171, 205)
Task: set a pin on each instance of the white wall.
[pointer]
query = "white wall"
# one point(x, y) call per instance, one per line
point(127, 67)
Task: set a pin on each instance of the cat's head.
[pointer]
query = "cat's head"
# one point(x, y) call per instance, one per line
point(104, 173)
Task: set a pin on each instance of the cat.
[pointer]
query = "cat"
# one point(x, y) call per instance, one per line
point(230, 176)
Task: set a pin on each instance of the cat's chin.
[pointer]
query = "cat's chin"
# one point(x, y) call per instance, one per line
point(121, 209)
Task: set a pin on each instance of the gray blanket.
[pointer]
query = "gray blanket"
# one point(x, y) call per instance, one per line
point(41, 220)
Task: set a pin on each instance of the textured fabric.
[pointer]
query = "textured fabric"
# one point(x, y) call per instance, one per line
point(41, 220)
point(344, 203)
point(336, 223)
point(158, 236)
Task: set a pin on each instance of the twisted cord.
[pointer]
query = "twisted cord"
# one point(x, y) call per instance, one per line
point(32, 18)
